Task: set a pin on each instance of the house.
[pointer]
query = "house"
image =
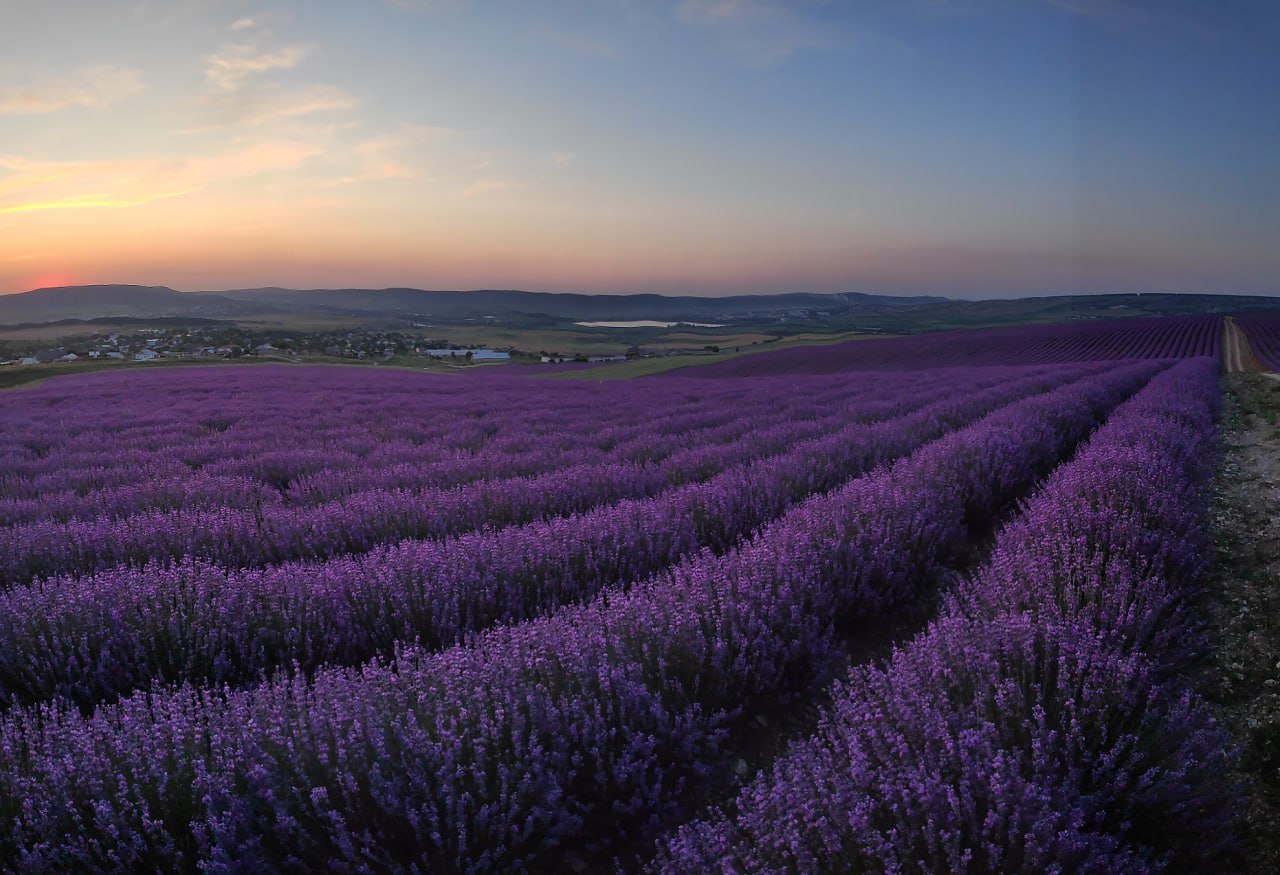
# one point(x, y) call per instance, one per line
point(29, 360)
point(50, 355)
point(115, 354)
point(69, 357)
point(146, 355)
point(264, 349)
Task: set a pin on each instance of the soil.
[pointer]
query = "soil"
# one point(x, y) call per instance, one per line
point(1245, 601)
point(1237, 357)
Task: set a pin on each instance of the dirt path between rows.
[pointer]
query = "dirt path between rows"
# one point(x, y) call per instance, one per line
point(1244, 595)
point(1237, 355)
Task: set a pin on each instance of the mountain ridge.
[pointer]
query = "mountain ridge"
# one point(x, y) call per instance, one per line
point(50, 304)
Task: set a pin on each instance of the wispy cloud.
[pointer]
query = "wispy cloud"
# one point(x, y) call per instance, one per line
point(243, 24)
point(400, 155)
point(30, 185)
point(232, 65)
point(242, 94)
point(763, 33)
point(253, 107)
point(93, 87)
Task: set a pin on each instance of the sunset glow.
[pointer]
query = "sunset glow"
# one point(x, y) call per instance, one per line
point(957, 147)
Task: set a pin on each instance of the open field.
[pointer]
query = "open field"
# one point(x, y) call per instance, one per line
point(799, 609)
point(650, 366)
point(15, 375)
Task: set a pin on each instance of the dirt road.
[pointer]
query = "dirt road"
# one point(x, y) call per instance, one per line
point(1237, 356)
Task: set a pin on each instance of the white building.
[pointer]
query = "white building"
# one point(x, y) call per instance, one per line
point(477, 355)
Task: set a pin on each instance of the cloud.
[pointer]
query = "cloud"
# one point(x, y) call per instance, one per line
point(252, 107)
point(317, 98)
point(232, 65)
point(562, 158)
point(762, 33)
point(29, 185)
point(243, 24)
point(93, 87)
point(445, 160)
point(398, 155)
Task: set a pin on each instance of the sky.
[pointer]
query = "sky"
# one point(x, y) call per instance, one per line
point(969, 148)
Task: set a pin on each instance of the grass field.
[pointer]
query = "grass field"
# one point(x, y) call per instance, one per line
point(648, 366)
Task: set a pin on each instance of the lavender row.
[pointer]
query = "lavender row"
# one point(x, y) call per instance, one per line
point(104, 480)
point(1044, 724)
point(292, 468)
point(309, 476)
point(640, 439)
point(93, 638)
point(850, 400)
point(569, 730)
point(266, 534)
point(236, 429)
point(1167, 337)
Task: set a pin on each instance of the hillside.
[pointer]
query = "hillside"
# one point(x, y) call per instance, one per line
point(88, 302)
point(85, 302)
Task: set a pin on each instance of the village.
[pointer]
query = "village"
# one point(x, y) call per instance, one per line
point(226, 341)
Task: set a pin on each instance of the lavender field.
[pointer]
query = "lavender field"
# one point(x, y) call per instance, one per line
point(921, 605)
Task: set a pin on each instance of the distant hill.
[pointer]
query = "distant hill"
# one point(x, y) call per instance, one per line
point(801, 311)
point(89, 302)
point(496, 302)
point(86, 302)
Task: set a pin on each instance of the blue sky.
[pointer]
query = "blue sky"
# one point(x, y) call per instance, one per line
point(975, 148)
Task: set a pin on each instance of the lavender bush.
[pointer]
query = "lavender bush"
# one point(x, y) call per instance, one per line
point(564, 731)
point(1042, 725)
point(92, 638)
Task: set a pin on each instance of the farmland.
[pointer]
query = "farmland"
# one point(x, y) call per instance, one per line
point(922, 604)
